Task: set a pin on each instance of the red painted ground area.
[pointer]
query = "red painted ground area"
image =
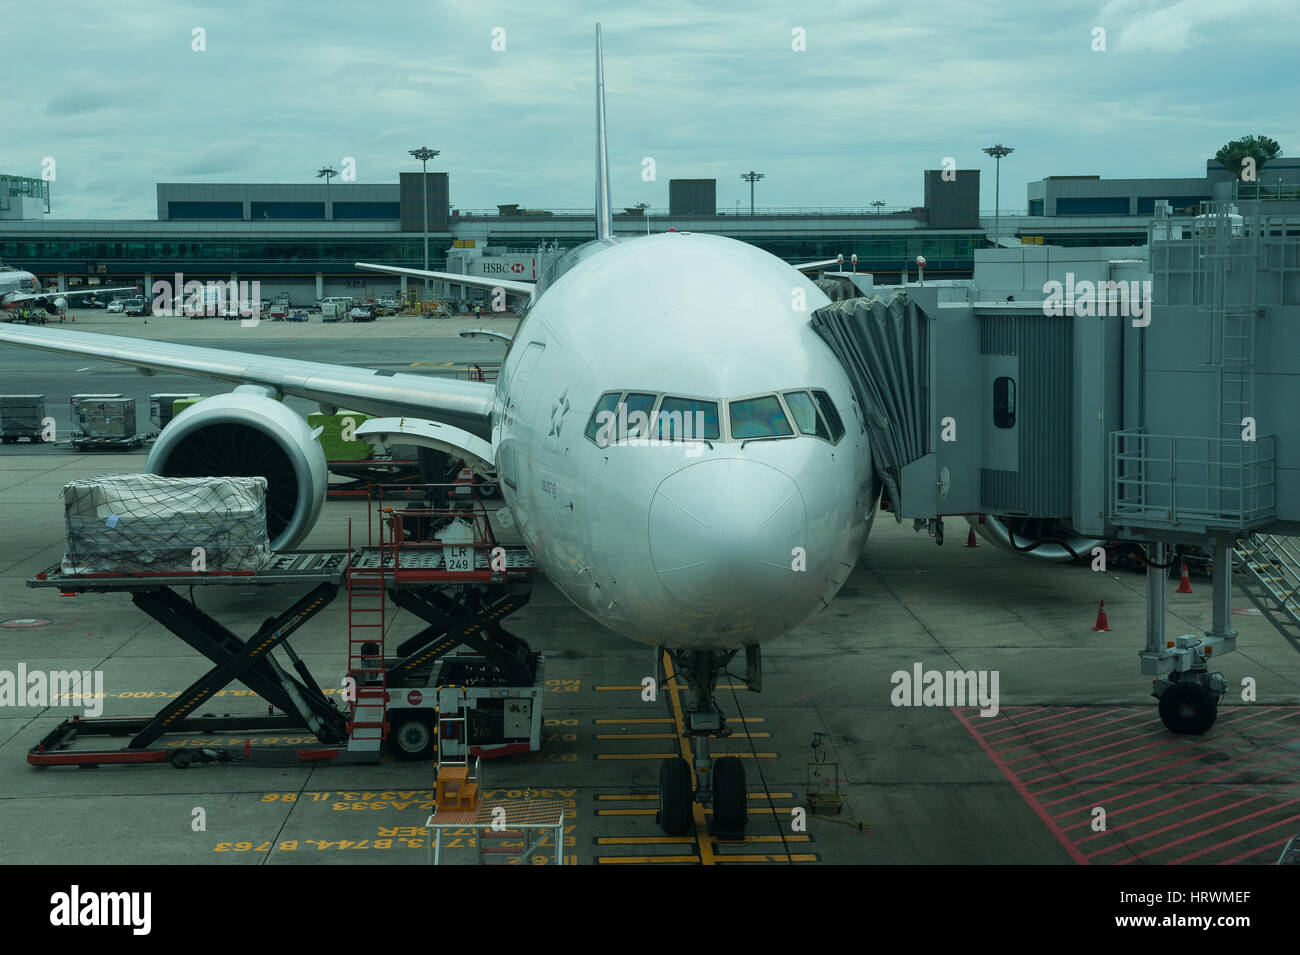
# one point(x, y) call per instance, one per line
point(1232, 795)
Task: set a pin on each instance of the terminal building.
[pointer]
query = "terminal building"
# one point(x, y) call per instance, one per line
point(303, 239)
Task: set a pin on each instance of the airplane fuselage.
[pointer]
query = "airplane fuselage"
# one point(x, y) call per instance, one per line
point(16, 283)
point(714, 541)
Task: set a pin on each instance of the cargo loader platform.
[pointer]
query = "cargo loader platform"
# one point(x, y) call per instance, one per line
point(458, 581)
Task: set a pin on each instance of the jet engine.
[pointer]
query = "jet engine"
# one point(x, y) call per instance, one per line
point(247, 433)
point(56, 305)
point(1038, 538)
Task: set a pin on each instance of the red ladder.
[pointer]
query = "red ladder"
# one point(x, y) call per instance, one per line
point(367, 613)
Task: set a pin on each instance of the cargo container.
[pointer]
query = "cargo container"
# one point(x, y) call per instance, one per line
point(106, 422)
point(22, 416)
point(162, 406)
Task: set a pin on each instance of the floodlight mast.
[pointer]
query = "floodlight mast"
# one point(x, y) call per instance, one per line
point(997, 152)
point(424, 154)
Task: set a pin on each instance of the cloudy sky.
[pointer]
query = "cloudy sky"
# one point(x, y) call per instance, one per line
point(119, 97)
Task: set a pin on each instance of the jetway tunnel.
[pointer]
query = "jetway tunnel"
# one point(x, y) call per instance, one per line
point(1069, 397)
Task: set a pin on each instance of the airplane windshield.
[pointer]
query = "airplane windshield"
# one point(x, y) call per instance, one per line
point(687, 419)
point(805, 414)
point(759, 418)
point(643, 415)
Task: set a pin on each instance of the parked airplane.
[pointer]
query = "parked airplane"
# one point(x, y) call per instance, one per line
point(19, 288)
point(683, 454)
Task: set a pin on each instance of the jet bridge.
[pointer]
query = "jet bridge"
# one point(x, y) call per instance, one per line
point(1069, 397)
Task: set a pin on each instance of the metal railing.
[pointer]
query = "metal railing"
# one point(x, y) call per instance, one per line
point(1269, 574)
point(1167, 480)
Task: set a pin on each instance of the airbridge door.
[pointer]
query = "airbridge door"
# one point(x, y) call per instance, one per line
point(1026, 379)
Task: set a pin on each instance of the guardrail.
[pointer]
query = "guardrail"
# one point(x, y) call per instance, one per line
point(1167, 480)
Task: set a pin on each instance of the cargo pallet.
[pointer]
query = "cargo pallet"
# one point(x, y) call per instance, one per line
point(461, 588)
point(82, 441)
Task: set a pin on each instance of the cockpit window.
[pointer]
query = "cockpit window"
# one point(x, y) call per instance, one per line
point(832, 416)
point(613, 420)
point(604, 410)
point(805, 414)
point(638, 414)
point(687, 419)
point(758, 418)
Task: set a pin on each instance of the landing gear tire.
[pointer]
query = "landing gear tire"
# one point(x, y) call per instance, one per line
point(730, 798)
point(675, 796)
point(410, 735)
point(1188, 708)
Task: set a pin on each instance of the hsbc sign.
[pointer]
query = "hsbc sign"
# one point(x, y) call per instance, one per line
point(522, 268)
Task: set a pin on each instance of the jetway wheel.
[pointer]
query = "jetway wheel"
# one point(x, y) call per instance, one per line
point(730, 798)
point(1188, 708)
point(675, 796)
point(410, 735)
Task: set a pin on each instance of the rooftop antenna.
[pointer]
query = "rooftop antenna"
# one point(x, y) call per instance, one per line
point(604, 216)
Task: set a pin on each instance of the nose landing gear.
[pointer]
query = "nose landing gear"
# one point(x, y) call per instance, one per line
point(719, 784)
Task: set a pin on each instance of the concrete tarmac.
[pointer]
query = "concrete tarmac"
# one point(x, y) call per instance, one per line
point(1075, 731)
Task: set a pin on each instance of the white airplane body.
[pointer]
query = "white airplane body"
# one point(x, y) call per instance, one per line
point(19, 288)
point(699, 543)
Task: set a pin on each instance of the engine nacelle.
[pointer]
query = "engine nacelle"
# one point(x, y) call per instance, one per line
point(247, 433)
point(1054, 539)
point(56, 306)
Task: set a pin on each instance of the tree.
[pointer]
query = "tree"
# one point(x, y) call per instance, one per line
point(1259, 148)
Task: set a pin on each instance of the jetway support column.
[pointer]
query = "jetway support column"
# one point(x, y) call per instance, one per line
point(1221, 620)
point(1156, 580)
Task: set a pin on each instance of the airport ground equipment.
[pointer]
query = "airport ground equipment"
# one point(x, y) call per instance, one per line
point(300, 700)
point(458, 796)
point(526, 822)
point(106, 423)
point(444, 560)
point(442, 563)
point(162, 406)
point(1072, 397)
point(22, 416)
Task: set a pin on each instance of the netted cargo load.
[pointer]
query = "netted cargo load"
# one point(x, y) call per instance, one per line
point(128, 523)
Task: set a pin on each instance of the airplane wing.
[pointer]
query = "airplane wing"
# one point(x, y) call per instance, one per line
point(461, 404)
point(47, 294)
point(825, 263)
point(473, 281)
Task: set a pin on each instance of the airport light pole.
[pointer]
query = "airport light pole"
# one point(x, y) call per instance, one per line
point(752, 177)
point(997, 152)
point(878, 204)
point(326, 173)
point(424, 154)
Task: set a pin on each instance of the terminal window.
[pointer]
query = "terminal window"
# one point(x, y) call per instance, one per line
point(288, 210)
point(205, 210)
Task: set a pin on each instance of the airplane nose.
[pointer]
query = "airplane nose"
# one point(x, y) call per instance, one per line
point(723, 534)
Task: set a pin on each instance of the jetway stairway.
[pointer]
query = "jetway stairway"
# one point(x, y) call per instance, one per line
point(1271, 580)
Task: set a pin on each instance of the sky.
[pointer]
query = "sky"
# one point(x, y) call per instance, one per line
point(837, 104)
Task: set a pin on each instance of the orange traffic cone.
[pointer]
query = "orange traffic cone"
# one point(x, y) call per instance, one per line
point(1184, 582)
point(970, 539)
point(1102, 623)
